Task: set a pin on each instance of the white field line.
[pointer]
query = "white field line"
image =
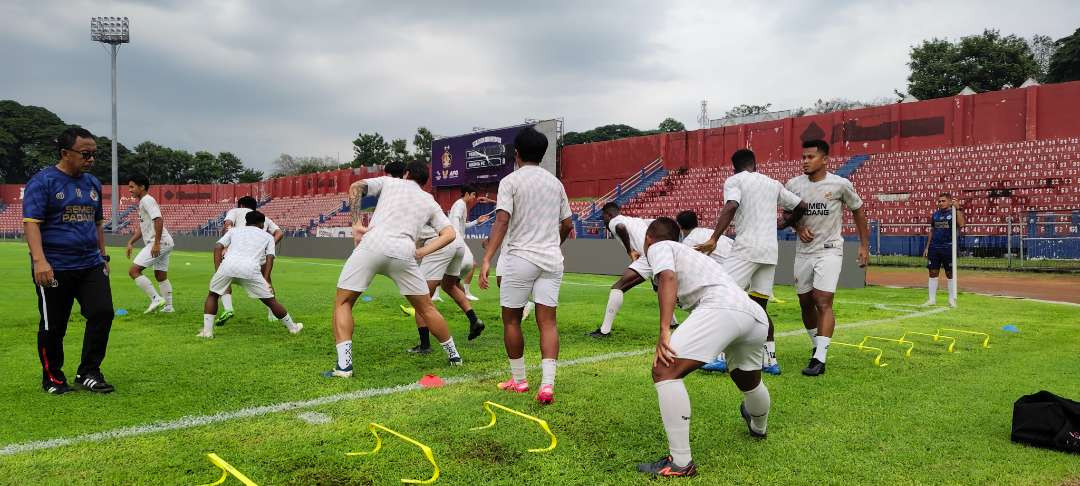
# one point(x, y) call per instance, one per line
point(200, 420)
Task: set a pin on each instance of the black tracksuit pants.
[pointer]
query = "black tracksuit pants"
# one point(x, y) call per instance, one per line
point(89, 286)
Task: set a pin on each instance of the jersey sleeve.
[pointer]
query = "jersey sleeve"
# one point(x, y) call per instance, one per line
point(270, 247)
point(787, 199)
point(661, 257)
point(732, 191)
point(271, 226)
point(851, 198)
point(99, 213)
point(150, 206)
point(375, 185)
point(458, 212)
point(564, 208)
point(438, 220)
point(35, 200)
point(226, 239)
point(506, 196)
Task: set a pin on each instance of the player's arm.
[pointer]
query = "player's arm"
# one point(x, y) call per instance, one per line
point(101, 241)
point(667, 290)
point(791, 218)
point(159, 228)
point(268, 267)
point(356, 192)
point(43, 272)
point(227, 225)
point(278, 235)
point(219, 252)
point(624, 237)
point(498, 232)
point(446, 236)
point(131, 241)
point(565, 227)
point(863, 228)
point(929, 236)
point(727, 213)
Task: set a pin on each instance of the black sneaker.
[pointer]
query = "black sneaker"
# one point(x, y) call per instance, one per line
point(93, 383)
point(455, 361)
point(815, 368)
point(666, 468)
point(746, 417)
point(475, 329)
point(598, 334)
point(418, 349)
point(673, 327)
point(56, 389)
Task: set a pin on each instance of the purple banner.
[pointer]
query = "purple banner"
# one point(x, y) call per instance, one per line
point(477, 158)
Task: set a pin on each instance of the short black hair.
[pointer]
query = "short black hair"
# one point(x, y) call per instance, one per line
point(255, 218)
point(945, 195)
point(663, 229)
point(610, 207)
point(467, 188)
point(742, 159)
point(821, 145)
point(530, 145)
point(140, 180)
point(418, 171)
point(395, 169)
point(687, 219)
point(247, 202)
point(67, 138)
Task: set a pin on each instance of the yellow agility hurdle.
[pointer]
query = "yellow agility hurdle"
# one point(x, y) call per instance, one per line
point(937, 336)
point(374, 427)
point(986, 337)
point(901, 341)
point(543, 423)
point(226, 470)
point(861, 347)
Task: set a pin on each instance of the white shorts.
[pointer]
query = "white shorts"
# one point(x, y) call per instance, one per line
point(708, 332)
point(821, 271)
point(446, 261)
point(751, 276)
point(363, 265)
point(468, 262)
point(642, 267)
point(522, 278)
point(161, 263)
point(254, 284)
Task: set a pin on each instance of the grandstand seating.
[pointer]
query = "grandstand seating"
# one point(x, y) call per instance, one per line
point(297, 213)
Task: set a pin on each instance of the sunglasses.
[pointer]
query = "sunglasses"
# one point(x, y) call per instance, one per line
point(85, 154)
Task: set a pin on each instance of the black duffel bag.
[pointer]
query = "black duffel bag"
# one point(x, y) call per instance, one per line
point(1047, 420)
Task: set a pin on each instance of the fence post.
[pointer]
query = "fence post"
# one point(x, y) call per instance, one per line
point(1008, 241)
point(875, 226)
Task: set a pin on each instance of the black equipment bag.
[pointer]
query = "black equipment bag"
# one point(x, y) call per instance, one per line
point(1047, 420)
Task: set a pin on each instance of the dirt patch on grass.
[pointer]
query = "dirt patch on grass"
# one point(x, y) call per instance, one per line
point(1060, 287)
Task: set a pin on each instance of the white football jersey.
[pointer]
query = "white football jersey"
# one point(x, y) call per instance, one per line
point(148, 212)
point(248, 247)
point(537, 203)
point(702, 283)
point(755, 220)
point(700, 235)
point(238, 218)
point(635, 228)
point(825, 201)
point(400, 215)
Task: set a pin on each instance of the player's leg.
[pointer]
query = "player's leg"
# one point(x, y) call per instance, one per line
point(94, 295)
point(210, 308)
point(546, 294)
point(933, 265)
point(354, 279)
point(629, 279)
point(744, 356)
point(54, 309)
point(946, 261)
point(410, 282)
point(809, 315)
point(515, 286)
point(761, 289)
point(142, 261)
point(424, 347)
point(468, 267)
point(451, 284)
point(161, 274)
point(825, 276)
point(282, 314)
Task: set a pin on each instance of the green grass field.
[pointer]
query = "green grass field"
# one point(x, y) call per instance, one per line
point(933, 418)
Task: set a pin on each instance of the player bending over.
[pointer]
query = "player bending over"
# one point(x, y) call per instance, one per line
point(631, 233)
point(722, 318)
point(819, 252)
point(751, 200)
point(692, 236)
point(157, 247)
point(235, 218)
point(444, 268)
point(533, 215)
point(388, 247)
point(938, 251)
point(249, 261)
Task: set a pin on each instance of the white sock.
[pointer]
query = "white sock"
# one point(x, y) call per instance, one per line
point(528, 310)
point(166, 291)
point(721, 357)
point(226, 302)
point(517, 368)
point(147, 286)
point(208, 323)
point(451, 350)
point(435, 296)
point(675, 411)
point(770, 352)
point(547, 372)
point(932, 286)
point(466, 287)
point(952, 289)
point(614, 302)
point(757, 403)
point(288, 321)
point(674, 319)
point(822, 344)
point(344, 354)
point(813, 334)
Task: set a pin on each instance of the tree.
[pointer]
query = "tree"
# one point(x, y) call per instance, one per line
point(671, 125)
point(985, 62)
point(1042, 49)
point(204, 170)
point(231, 168)
point(601, 134)
point(287, 165)
point(399, 150)
point(249, 175)
point(746, 110)
point(1065, 62)
point(370, 149)
point(422, 143)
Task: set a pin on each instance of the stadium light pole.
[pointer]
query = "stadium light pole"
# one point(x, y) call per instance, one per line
point(112, 31)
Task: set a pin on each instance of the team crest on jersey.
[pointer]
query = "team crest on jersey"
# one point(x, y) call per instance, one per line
point(78, 193)
point(60, 196)
point(93, 195)
point(828, 196)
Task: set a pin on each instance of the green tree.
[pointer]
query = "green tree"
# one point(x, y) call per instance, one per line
point(204, 170)
point(422, 143)
point(1042, 49)
point(671, 125)
point(399, 150)
point(746, 110)
point(601, 134)
point(249, 175)
point(231, 168)
point(985, 62)
point(27, 135)
point(1065, 62)
point(370, 149)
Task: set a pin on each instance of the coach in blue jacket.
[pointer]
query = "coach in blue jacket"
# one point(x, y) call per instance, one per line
point(63, 220)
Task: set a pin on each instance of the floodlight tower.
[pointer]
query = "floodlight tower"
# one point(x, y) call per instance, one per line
point(112, 31)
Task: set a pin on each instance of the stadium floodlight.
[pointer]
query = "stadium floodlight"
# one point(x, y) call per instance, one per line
point(112, 31)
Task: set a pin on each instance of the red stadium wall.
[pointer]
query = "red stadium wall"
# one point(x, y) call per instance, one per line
point(1037, 112)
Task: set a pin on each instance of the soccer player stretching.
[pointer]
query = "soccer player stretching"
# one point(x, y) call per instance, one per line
point(631, 233)
point(938, 251)
point(819, 253)
point(692, 236)
point(389, 248)
point(722, 318)
point(157, 246)
point(751, 200)
point(234, 218)
point(533, 214)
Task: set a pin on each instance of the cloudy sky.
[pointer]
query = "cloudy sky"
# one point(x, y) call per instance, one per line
point(304, 77)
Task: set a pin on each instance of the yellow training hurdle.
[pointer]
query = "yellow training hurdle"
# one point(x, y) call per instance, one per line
point(226, 470)
point(543, 423)
point(374, 427)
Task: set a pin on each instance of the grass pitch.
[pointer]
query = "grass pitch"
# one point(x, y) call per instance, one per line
point(932, 418)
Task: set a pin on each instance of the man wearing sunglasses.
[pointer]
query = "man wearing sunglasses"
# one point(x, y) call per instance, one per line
point(63, 219)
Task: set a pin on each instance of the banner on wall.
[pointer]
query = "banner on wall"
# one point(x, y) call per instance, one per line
point(483, 157)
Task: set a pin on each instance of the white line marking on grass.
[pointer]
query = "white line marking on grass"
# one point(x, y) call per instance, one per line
point(200, 420)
